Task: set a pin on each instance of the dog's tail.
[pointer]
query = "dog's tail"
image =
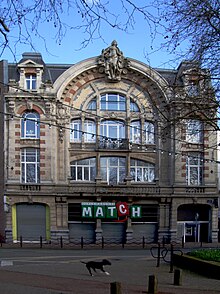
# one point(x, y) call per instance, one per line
point(83, 262)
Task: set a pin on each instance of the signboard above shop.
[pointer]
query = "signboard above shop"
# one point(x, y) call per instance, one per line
point(109, 210)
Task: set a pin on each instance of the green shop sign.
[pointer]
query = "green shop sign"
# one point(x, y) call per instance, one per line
point(109, 210)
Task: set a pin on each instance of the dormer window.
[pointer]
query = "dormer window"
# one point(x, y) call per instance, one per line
point(31, 81)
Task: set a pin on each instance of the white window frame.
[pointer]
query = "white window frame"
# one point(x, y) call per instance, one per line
point(107, 168)
point(135, 132)
point(30, 126)
point(31, 81)
point(107, 101)
point(142, 171)
point(76, 131)
point(30, 159)
point(149, 131)
point(89, 131)
point(194, 169)
point(194, 131)
point(107, 126)
point(82, 168)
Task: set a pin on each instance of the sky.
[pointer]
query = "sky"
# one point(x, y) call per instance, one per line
point(136, 44)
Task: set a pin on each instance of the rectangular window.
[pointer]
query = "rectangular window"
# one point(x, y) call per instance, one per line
point(31, 81)
point(194, 131)
point(113, 169)
point(30, 165)
point(194, 169)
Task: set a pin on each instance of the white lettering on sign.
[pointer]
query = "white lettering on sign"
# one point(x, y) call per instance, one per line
point(111, 210)
point(135, 211)
point(99, 212)
point(122, 209)
point(87, 211)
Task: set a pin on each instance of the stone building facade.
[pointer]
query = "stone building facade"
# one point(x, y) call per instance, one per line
point(109, 148)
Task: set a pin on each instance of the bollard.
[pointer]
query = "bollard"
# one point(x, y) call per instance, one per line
point(158, 255)
point(152, 285)
point(143, 242)
point(171, 259)
point(41, 242)
point(61, 242)
point(21, 243)
point(82, 243)
point(177, 277)
point(115, 288)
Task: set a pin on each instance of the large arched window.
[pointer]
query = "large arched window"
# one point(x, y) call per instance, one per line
point(30, 165)
point(30, 126)
point(89, 131)
point(76, 130)
point(112, 129)
point(142, 171)
point(113, 102)
point(83, 170)
point(113, 169)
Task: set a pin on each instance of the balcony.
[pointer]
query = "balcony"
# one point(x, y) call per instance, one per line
point(113, 144)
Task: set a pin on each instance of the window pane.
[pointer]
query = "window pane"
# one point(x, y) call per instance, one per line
point(113, 169)
point(135, 132)
point(134, 107)
point(92, 105)
point(194, 131)
point(113, 102)
point(149, 133)
point(142, 171)
point(75, 132)
point(30, 166)
point(83, 170)
point(30, 126)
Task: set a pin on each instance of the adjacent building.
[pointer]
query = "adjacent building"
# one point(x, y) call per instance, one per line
point(109, 148)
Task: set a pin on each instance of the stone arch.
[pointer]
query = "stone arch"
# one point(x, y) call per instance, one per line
point(82, 74)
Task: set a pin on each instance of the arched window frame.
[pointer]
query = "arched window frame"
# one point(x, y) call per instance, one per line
point(30, 125)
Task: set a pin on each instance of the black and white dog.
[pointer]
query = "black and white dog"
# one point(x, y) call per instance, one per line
point(97, 265)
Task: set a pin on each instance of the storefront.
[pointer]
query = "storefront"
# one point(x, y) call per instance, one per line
point(112, 222)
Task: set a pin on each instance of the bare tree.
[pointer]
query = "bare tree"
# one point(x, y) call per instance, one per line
point(20, 20)
point(195, 26)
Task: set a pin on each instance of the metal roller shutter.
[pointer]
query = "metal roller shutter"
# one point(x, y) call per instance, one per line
point(114, 232)
point(31, 221)
point(79, 230)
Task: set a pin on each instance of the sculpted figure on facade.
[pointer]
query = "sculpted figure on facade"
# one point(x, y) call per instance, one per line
point(112, 62)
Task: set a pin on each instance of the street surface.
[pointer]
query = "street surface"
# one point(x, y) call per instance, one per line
point(56, 271)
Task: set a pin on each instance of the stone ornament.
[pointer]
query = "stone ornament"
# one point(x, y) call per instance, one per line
point(112, 62)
